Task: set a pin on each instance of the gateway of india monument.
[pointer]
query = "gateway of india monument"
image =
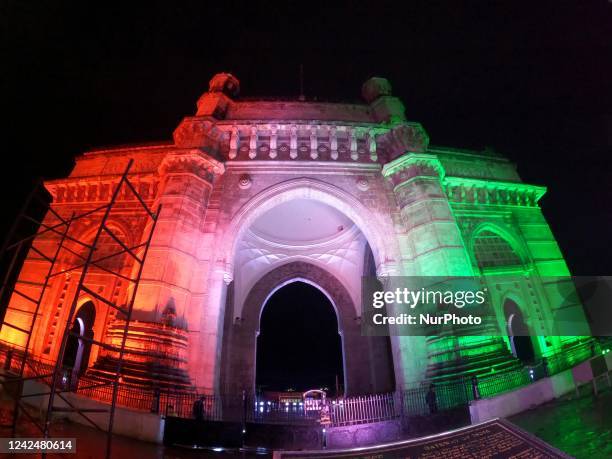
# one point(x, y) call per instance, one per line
point(256, 194)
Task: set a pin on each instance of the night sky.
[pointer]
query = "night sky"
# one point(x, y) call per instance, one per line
point(530, 79)
point(298, 345)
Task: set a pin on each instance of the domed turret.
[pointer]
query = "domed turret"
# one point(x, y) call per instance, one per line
point(226, 83)
point(221, 89)
point(374, 88)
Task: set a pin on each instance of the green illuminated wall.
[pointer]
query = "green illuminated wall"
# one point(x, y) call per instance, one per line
point(447, 198)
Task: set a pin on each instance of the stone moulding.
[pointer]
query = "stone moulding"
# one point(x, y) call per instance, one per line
point(411, 165)
point(475, 191)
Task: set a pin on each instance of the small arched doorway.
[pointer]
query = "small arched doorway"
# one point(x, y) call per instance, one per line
point(299, 346)
point(518, 333)
point(76, 355)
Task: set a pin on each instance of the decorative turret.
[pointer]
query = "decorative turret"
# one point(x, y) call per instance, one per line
point(226, 83)
point(221, 89)
point(386, 108)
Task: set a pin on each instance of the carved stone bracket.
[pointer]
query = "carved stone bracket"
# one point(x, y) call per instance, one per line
point(195, 132)
point(413, 165)
point(406, 137)
point(191, 162)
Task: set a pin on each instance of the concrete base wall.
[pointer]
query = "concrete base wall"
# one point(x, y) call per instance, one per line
point(130, 423)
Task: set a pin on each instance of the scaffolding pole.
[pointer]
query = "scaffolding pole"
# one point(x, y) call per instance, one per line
point(87, 263)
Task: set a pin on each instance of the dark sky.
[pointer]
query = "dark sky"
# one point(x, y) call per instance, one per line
point(531, 79)
point(298, 345)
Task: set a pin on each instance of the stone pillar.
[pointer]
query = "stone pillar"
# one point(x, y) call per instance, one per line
point(438, 250)
point(205, 351)
point(408, 352)
point(169, 298)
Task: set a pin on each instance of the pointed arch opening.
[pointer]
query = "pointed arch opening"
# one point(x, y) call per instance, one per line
point(76, 355)
point(521, 344)
point(492, 250)
point(298, 345)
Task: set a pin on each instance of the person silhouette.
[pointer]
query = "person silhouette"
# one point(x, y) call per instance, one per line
point(198, 409)
point(431, 400)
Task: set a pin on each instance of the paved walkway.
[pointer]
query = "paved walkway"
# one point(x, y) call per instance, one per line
point(91, 444)
point(580, 427)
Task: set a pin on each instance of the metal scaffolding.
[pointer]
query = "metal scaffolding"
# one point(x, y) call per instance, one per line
point(88, 260)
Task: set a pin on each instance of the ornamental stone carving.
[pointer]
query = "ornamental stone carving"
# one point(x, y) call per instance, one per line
point(404, 138)
point(363, 184)
point(374, 88)
point(197, 133)
point(413, 165)
point(225, 83)
point(191, 163)
point(244, 182)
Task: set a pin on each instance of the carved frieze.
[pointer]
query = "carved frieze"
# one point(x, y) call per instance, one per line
point(100, 189)
point(298, 141)
point(472, 191)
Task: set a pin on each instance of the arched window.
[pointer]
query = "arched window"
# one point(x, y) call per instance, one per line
point(493, 251)
point(109, 254)
point(108, 250)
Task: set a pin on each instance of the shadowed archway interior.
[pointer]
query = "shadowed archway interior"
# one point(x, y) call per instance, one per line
point(77, 351)
point(368, 365)
point(299, 346)
point(518, 333)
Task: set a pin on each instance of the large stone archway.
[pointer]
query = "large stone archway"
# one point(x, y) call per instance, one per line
point(374, 224)
point(368, 365)
point(415, 207)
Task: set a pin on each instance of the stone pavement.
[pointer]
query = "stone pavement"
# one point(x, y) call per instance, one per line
point(581, 427)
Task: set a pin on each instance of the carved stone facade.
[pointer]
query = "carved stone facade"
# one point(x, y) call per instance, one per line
point(256, 194)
